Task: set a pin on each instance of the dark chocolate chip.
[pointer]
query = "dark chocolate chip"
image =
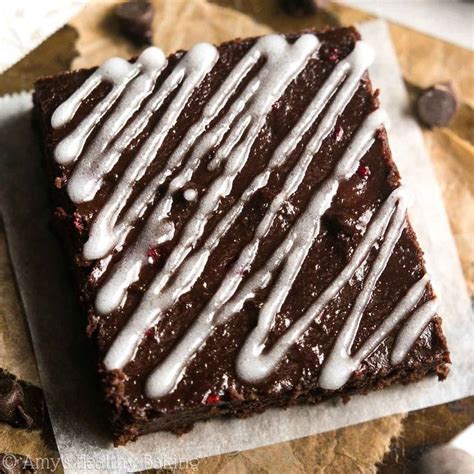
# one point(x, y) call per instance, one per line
point(15, 464)
point(11, 399)
point(437, 105)
point(21, 403)
point(135, 19)
point(444, 460)
point(301, 7)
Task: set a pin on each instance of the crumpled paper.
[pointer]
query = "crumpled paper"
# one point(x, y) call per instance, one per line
point(355, 448)
point(24, 25)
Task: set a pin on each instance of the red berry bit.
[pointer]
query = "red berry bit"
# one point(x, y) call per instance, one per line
point(338, 133)
point(212, 399)
point(150, 333)
point(333, 55)
point(153, 255)
point(244, 272)
point(363, 171)
point(78, 222)
point(329, 53)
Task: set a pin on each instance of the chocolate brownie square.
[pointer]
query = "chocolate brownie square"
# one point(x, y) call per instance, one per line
point(237, 229)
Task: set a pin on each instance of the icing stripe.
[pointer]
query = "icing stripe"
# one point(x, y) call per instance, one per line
point(69, 149)
point(114, 290)
point(339, 366)
point(412, 330)
point(253, 366)
point(99, 159)
point(148, 311)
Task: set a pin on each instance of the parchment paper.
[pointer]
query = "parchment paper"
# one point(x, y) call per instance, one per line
point(16, 355)
point(51, 307)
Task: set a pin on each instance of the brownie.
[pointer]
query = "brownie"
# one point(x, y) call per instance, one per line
point(237, 229)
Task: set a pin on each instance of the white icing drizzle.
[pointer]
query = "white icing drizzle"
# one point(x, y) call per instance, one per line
point(233, 137)
point(117, 71)
point(227, 301)
point(340, 365)
point(190, 194)
point(113, 290)
point(357, 63)
point(252, 364)
point(98, 159)
point(185, 77)
point(149, 311)
point(412, 329)
point(270, 78)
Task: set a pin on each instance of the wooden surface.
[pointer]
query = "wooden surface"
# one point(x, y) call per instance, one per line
point(420, 430)
point(424, 429)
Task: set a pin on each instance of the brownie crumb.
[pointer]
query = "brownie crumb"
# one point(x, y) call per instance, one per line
point(59, 182)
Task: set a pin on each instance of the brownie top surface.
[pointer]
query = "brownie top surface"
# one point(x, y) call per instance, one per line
point(241, 230)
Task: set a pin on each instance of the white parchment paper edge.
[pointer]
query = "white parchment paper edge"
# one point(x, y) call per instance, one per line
point(52, 310)
point(25, 25)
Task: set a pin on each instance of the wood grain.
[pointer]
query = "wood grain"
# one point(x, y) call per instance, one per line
point(51, 57)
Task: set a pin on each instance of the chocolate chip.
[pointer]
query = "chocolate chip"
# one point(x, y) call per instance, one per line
point(15, 464)
point(135, 19)
point(21, 403)
point(301, 7)
point(444, 460)
point(11, 398)
point(437, 105)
